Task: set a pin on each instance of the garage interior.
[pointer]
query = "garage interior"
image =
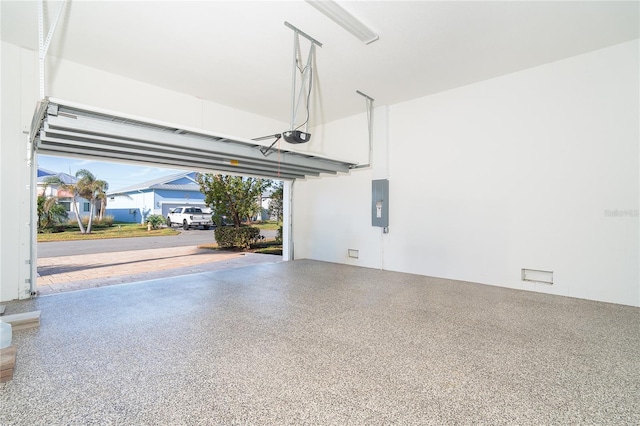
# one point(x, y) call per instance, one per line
point(497, 281)
point(309, 342)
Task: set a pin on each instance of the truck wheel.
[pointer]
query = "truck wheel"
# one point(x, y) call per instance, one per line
point(206, 227)
point(185, 225)
point(169, 222)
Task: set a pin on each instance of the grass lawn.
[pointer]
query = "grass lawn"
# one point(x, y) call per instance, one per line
point(263, 247)
point(277, 250)
point(124, 230)
point(267, 225)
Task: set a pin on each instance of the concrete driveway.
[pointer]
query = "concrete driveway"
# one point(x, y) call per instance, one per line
point(75, 265)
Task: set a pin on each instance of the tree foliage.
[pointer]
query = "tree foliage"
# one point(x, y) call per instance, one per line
point(235, 197)
point(275, 204)
point(50, 212)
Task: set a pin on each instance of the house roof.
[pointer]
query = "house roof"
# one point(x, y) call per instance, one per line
point(44, 174)
point(177, 182)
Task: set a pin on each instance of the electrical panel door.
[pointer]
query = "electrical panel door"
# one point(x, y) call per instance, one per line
point(380, 203)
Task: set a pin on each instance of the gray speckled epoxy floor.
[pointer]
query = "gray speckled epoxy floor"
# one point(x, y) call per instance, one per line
point(308, 342)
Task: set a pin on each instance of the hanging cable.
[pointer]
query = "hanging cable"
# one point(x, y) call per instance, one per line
point(308, 96)
point(299, 55)
point(308, 67)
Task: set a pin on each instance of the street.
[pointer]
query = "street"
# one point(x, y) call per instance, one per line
point(193, 237)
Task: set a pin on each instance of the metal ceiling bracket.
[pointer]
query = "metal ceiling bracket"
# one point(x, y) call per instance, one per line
point(38, 117)
point(369, 101)
point(303, 34)
point(43, 44)
point(306, 79)
point(265, 150)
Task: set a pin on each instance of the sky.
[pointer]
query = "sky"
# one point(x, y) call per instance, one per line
point(117, 175)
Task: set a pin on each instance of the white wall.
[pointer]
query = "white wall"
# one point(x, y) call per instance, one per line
point(83, 85)
point(332, 214)
point(74, 82)
point(536, 169)
point(15, 243)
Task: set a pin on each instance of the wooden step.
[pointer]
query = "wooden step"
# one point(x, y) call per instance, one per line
point(7, 363)
point(23, 320)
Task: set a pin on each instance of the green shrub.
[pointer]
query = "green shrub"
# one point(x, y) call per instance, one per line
point(279, 235)
point(156, 220)
point(50, 213)
point(231, 237)
point(106, 221)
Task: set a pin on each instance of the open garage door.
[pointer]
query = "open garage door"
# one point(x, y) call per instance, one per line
point(70, 130)
point(60, 128)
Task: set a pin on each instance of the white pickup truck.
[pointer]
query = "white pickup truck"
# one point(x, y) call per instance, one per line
point(188, 217)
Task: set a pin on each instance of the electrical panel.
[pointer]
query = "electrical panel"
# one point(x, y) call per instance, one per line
point(380, 203)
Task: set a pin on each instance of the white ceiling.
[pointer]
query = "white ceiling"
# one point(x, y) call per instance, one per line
point(239, 53)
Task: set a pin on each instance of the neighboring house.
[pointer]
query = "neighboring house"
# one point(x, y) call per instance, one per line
point(135, 203)
point(65, 198)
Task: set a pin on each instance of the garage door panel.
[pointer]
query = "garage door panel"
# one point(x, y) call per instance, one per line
point(70, 130)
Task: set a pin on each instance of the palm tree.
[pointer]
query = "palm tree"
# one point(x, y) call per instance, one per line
point(101, 197)
point(92, 189)
point(72, 188)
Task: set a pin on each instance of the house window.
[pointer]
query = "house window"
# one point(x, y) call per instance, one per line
point(86, 207)
point(66, 205)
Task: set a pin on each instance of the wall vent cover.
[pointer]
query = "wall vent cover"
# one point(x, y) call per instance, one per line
point(537, 276)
